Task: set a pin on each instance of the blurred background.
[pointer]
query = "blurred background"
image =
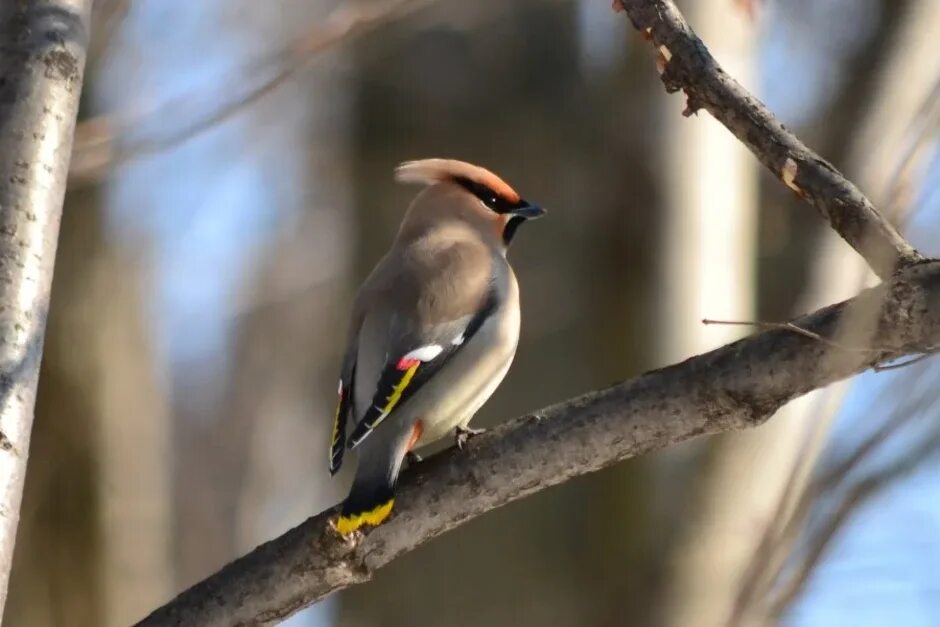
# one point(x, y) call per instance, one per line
point(231, 186)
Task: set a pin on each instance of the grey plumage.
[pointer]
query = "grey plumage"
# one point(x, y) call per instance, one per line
point(434, 328)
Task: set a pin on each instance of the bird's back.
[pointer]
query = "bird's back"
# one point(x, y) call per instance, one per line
point(433, 284)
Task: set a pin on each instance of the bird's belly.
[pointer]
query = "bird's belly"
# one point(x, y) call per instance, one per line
point(465, 384)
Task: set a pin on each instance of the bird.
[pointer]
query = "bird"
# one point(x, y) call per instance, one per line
point(433, 332)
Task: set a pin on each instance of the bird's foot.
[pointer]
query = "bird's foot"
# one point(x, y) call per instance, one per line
point(463, 435)
point(412, 458)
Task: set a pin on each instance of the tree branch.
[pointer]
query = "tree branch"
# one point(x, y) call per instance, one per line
point(734, 387)
point(42, 61)
point(689, 66)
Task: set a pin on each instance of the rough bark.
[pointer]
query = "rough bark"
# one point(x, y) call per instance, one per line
point(42, 60)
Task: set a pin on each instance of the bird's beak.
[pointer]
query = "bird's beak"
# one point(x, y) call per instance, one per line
point(529, 211)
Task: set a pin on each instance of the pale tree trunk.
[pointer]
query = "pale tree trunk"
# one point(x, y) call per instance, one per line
point(94, 542)
point(710, 195)
point(42, 60)
point(886, 135)
point(708, 260)
point(133, 440)
point(290, 341)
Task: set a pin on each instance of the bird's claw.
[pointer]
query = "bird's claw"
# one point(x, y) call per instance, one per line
point(413, 458)
point(463, 435)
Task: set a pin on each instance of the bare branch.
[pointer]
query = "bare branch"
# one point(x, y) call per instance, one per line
point(689, 66)
point(101, 142)
point(734, 387)
point(42, 60)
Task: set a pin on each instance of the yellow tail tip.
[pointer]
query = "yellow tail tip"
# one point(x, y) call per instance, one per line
point(347, 524)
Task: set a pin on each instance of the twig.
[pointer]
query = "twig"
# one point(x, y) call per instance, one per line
point(930, 352)
point(689, 66)
point(885, 353)
point(859, 494)
point(920, 134)
point(102, 142)
point(789, 326)
point(770, 562)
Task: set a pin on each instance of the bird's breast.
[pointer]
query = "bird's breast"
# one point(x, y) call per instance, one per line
point(472, 375)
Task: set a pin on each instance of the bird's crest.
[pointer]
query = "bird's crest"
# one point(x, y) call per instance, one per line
point(431, 171)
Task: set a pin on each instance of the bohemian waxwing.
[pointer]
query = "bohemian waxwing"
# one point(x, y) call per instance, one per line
point(434, 328)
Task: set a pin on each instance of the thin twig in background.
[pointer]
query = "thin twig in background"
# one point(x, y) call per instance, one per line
point(920, 136)
point(897, 196)
point(927, 352)
point(789, 326)
point(771, 562)
point(103, 142)
point(860, 493)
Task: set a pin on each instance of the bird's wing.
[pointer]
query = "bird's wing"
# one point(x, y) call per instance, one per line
point(343, 407)
point(415, 359)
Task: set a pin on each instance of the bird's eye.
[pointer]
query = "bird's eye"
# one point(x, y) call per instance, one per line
point(486, 195)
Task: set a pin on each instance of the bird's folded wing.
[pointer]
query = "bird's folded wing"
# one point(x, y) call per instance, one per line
point(341, 417)
point(415, 363)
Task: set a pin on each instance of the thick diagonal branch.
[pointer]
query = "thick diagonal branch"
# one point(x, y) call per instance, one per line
point(734, 387)
point(689, 66)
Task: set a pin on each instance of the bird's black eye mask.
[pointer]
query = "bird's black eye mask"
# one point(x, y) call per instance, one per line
point(490, 198)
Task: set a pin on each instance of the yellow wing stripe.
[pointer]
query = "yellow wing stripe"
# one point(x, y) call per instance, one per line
point(339, 408)
point(376, 413)
point(338, 441)
point(347, 524)
point(395, 396)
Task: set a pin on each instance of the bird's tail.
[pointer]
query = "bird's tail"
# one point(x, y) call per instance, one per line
point(372, 495)
point(368, 504)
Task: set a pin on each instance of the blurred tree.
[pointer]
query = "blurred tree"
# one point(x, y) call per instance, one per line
point(94, 548)
point(254, 440)
point(94, 537)
point(42, 62)
point(707, 270)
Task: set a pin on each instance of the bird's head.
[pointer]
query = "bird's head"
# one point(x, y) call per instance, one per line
point(465, 191)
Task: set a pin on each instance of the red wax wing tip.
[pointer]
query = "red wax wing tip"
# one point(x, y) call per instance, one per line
point(416, 432)
point(405, 363)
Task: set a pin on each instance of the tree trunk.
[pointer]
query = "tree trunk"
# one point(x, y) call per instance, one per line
point(42, 60)
point(708, 264)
